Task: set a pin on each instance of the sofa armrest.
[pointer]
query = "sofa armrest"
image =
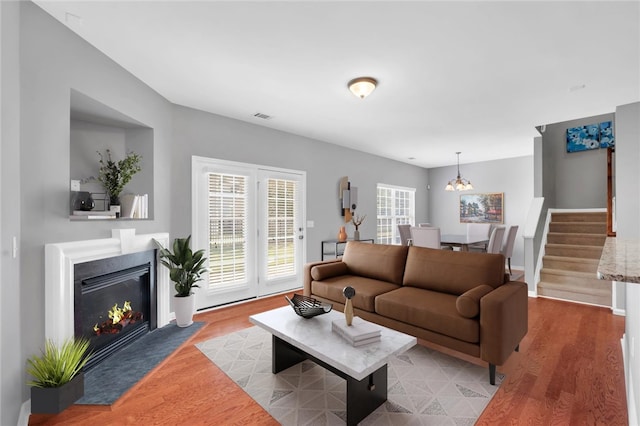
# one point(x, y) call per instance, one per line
point(306, 289)
point(504, 316)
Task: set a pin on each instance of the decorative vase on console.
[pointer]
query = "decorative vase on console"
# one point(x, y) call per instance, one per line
point(357, 221)
point(342, 235)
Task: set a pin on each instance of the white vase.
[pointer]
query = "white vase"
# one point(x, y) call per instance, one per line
point(184, 307)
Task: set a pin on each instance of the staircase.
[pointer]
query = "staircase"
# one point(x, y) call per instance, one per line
point(572, 253)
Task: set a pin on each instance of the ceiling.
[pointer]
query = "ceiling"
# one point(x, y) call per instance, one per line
point(475, 77)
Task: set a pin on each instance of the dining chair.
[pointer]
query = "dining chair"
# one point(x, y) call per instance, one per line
point(424, 224)
point(495, 240)
point(422, 236)
point(405, 234)
point(507, 247)
point(478, 231)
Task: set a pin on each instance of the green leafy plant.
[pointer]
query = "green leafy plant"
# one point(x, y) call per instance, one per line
point(185, 266)
point(57, 365)
point(114, 175)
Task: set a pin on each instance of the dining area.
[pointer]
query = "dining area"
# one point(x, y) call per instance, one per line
point(479, 237)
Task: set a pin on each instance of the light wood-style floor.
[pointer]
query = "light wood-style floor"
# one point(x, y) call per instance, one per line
point(569, 371)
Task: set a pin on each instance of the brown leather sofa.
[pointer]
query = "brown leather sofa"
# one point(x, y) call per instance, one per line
point(461, 300)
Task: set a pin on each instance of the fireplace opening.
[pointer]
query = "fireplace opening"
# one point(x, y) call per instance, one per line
point(115, 302)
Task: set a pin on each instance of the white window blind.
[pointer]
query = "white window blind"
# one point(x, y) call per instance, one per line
point(227, 229)
point(396, 206)
point(281, 203)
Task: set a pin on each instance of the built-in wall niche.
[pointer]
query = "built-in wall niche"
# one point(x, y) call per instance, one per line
point(95, 127)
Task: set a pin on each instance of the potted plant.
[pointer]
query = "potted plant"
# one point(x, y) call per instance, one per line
point(185, 269)
point(114, 175)
point(58, 380)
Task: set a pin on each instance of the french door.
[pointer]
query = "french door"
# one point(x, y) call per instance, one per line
point(249, 220)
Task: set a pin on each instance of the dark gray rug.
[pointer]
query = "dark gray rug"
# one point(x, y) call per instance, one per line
point(107, 381)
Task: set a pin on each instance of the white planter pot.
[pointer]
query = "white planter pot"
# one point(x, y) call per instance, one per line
point(184, 308)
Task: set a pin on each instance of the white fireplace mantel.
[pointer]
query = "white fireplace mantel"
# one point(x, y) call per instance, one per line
point(60, 259)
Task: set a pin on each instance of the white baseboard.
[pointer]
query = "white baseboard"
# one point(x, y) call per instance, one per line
point(533, 293)
point(620, 312)
point(25, 412)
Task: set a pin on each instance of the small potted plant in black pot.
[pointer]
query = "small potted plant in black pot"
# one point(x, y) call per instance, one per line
point(58, 380)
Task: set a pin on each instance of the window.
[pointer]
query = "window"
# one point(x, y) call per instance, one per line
point(227, 229)
point(396, 206)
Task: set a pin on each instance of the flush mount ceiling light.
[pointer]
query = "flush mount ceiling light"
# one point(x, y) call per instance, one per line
point(362, 86)
point(459, 184)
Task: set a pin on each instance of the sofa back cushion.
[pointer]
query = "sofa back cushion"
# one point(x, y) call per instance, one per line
point(452, 272)
point(378, 261)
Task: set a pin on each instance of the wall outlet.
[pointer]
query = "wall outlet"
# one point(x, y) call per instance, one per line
point(310, 224)
point(75, 185)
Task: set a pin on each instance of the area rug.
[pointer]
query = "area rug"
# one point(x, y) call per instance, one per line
point(107, 381)
point(425, 386)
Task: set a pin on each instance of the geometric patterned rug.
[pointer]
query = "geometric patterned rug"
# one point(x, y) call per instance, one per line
point(425, 386)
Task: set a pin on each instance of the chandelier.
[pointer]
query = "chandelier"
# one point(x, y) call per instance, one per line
point(459, 183)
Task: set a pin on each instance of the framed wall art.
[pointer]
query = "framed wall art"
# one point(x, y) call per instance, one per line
point(591, 136)
point(482, 208)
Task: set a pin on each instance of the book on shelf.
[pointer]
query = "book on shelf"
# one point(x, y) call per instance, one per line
point(360, 332)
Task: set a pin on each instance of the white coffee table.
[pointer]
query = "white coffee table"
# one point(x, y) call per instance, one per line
point(364, 368)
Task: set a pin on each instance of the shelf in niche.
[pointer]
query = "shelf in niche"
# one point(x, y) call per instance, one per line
point(96, 127)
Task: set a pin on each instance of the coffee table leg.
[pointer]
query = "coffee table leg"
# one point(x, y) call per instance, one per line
point(284, 355)
point(364, 396)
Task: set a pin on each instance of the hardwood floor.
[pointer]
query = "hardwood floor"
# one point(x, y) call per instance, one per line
point(569, 371)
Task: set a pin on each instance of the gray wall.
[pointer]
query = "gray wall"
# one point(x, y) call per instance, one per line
point(513, 177)
point(627, 159)
point(208, 135)
point(11, 355)
point(53, 60)
point(575, 180)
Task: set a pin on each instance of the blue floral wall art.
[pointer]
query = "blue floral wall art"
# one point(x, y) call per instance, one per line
point(591, 136)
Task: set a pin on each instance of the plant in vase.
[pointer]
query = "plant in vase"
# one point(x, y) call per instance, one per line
point(58, 380)
point(357, 221)
point(185, 270)
point(114, 175)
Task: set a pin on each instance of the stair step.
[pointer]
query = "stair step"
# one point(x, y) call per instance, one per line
point(578, 227)
point(598, 296)
point(579, 217)
point(583, 279)
point(576, 239)
point(568, 250)
point(570, 263)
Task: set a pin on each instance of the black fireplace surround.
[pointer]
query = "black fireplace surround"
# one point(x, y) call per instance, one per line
point(102, 284)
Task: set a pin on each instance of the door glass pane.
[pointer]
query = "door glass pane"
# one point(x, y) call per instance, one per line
point(227, 229)
point(281, 234)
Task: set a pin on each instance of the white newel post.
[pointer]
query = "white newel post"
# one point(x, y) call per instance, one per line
point(60, 259)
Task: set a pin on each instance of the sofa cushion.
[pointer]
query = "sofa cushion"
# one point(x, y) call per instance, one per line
point(377, 261)
point(328, 270)
point(430, 310)
point(366, 290)
point(468, 303)
point(452, 272)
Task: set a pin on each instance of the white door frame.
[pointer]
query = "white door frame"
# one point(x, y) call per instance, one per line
point(200, 232)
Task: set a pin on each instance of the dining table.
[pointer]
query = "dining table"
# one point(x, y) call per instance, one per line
point(461, 240)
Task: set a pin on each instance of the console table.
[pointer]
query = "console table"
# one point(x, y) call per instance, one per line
point(335, 248)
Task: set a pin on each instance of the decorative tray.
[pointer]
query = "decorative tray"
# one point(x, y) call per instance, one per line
point(308, 307)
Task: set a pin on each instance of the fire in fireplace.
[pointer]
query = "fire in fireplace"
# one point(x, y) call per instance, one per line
point(115, 302)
